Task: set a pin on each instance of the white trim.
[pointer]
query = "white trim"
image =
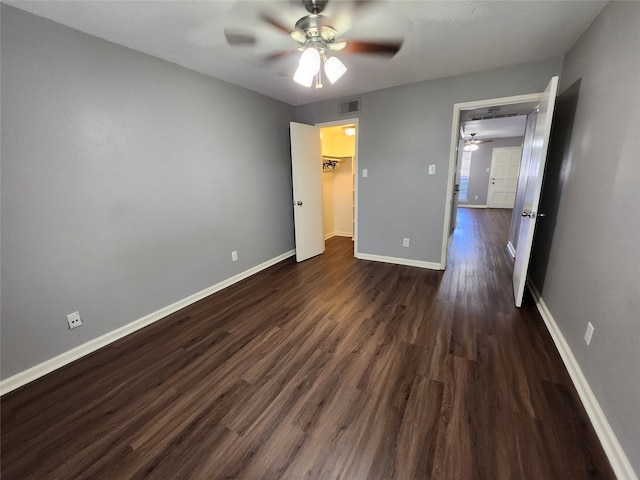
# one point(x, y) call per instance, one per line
point(511, 248)
point(463, 205)
point(48, 366)
point(453, 153)
point(338, 234)
point(354, 166)
point(618, 459)
point(400, 261)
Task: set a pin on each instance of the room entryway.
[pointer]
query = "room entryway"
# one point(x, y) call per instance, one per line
point(338, 144)
point(325, 186)
point(534, 150)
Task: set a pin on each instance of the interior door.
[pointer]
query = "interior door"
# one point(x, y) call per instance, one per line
point(306, 171)
point(505, 165)
point(533, 187)
point(455, 199)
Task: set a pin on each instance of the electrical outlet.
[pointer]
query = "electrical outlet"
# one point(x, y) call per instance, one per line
point(405, 242)
point(234, 256)
point(365, 172)
point(432, 169)
point(74, 320)
point(588, 334)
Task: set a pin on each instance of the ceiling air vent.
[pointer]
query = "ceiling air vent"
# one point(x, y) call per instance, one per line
point(349, 106)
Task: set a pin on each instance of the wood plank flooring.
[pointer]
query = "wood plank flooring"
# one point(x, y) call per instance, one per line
point(335, 368)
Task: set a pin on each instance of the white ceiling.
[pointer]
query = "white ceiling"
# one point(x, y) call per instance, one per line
point(442, 38)
point(495, 128)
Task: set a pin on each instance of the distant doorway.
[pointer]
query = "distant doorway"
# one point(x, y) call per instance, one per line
point(505, 166)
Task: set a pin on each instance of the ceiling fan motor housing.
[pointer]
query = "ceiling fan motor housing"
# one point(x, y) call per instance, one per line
point(315, 6)
point(314, 27)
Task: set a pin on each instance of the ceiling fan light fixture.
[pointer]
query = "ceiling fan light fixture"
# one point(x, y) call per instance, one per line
point(334, 69)
point(470, 147)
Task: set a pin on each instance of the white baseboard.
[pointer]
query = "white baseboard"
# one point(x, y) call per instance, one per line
point(618, 459)
point(511, 248)
point(471, 206)
point(338, 234)
point(48, 366)
point(399, 261)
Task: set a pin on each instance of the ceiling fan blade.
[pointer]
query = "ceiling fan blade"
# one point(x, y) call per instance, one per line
point(363, 3)
point(274, 23)
point(277, 56)
point(237, 37)
point(387, 49)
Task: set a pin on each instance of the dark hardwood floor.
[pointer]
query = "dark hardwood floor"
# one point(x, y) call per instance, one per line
point(335, 368)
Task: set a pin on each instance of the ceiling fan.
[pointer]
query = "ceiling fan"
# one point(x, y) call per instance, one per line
point(471, 144)
point(317, 38)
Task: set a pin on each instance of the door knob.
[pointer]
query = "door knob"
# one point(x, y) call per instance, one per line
point(526, 214)
point(298, 203)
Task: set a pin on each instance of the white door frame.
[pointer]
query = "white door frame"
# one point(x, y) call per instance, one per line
point(453, 151)
point(350, 121)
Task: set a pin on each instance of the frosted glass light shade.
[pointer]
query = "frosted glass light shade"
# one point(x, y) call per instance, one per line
point(334, 69)
point(310, 60)
point(302, 78)
point(308, 67)
point(470, 147)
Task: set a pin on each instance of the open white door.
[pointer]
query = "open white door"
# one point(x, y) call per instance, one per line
point(306, 170)
point(533, 188)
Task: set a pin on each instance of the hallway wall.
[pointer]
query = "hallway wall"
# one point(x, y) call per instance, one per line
point(594, 264)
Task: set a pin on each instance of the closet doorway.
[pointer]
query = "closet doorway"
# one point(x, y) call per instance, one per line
point(339, 142)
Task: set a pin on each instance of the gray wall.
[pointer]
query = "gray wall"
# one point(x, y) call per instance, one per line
point(593, 272)
point(126, 183)
point(480, 162)
point(404, 129)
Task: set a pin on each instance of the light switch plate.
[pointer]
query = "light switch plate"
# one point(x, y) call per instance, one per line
point(588, 334)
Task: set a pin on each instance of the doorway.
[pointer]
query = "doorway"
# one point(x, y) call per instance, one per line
point(466, 120)
point(339, 145)
point(532, 171)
